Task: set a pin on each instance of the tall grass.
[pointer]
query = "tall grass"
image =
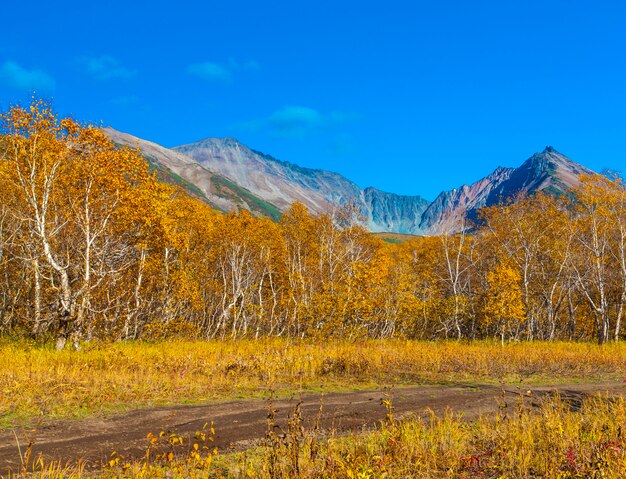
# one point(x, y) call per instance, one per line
point(552, 442)
point(37, 381)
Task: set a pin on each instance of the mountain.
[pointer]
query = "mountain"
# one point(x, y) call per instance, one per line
point(548, 171)
point(278, 182)
point(388, 212)
point(450, 208)
point(174, 167)
point(229, 175)
point(281, 183)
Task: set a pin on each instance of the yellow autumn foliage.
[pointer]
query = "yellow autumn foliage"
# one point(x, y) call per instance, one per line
point(92, 246)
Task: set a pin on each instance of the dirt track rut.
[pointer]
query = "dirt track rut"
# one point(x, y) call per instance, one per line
point(240, 424)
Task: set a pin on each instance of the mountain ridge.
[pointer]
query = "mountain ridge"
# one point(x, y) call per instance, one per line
point(266, 185)
point(448, 211)
point(279, 182)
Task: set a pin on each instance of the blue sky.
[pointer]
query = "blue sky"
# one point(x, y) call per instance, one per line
point(412, 97)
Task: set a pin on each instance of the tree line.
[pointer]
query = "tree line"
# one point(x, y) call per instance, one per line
point(92, 246)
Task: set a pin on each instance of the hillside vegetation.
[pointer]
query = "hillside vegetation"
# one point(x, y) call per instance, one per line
point(92, 246)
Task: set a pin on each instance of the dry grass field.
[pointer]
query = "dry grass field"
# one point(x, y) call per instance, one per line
point(551, 439)
point(38, 381)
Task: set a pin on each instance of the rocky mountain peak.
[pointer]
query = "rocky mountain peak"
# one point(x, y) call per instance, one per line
point(548, 170)
point(548, 159)
point(499, 174)
point(212, 143)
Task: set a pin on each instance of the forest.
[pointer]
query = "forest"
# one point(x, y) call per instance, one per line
point(93, 246)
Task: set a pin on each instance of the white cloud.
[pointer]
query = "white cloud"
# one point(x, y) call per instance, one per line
point(213, 71)
point(15, 76)
point(104, 67)
point(297, 121)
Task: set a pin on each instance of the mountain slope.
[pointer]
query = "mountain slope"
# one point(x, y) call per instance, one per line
point(174, 167)
point(275, 181)
point(449, 210)
point(388, 212)
point(548, 171)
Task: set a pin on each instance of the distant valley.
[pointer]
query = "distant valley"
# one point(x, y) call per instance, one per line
point(229, 175)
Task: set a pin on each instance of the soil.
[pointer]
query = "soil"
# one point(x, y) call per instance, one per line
point(243, 424)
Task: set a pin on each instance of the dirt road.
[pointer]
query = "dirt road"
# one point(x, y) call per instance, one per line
point(241, 424)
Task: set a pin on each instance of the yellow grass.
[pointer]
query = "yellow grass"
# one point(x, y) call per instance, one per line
point(38, 382)
point(553, 442)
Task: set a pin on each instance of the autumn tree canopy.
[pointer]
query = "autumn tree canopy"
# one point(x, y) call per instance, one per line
point(93, 246)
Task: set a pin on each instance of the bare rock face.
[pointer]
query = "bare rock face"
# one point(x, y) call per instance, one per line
point(449, 210)
point(388, 212)
point(277, 182)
